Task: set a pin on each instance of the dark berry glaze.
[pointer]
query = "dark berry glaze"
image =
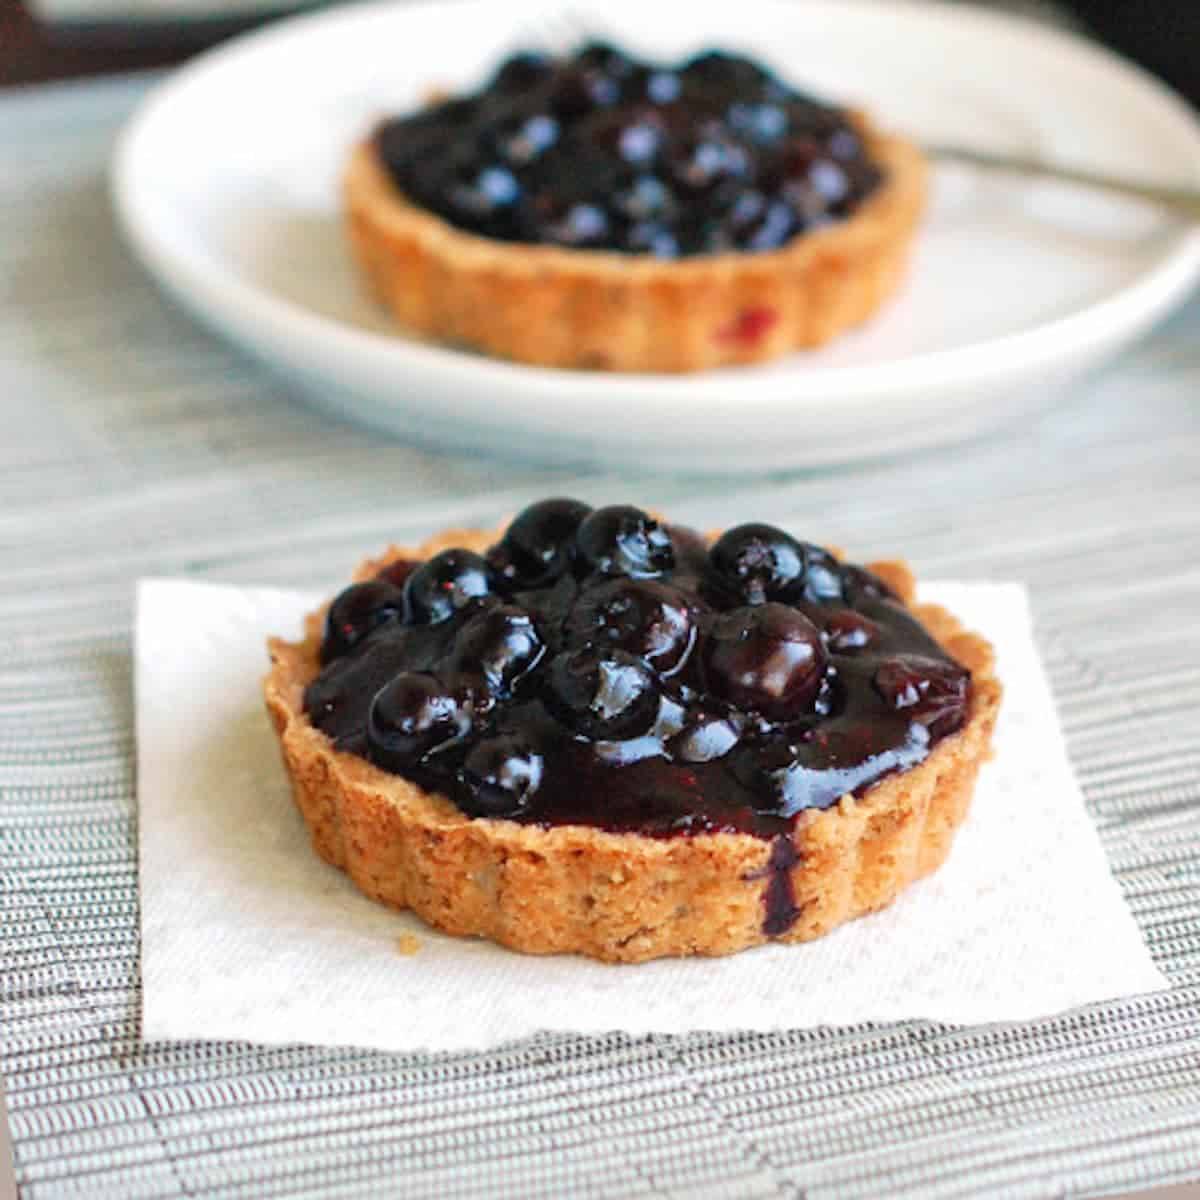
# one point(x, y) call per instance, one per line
point(600, 150)
point(598, 668)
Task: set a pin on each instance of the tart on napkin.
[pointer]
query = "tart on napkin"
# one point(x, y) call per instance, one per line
point(597, 733)
point(597, 211)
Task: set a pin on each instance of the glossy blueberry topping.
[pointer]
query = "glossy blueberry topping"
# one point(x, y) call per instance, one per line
point(357, 612)
point(756, 563)
point(649, 619)
point(444, 585)
point(822, 575)
point(411, 716)
point(536, 547)
point(715, 73)
point(521, 72)
point(924, 687)
point(847, 631)
point(501, 644)
point(785, 777)
point(599, 150)
point(598, 667)
point(706, 735)
point(766, 659)
point(603, 694)
point(860, 586)
point(623, 540)
point(501, 776)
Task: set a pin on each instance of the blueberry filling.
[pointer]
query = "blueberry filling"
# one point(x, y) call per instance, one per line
point(597, 667)
point(599, 150)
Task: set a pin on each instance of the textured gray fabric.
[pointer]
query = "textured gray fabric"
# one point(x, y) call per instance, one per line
point(134, 444)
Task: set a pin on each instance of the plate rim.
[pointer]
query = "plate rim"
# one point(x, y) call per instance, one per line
point(208, 288)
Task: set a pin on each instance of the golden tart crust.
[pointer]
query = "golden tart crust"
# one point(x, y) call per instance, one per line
point(604, 310)
point(623, 897)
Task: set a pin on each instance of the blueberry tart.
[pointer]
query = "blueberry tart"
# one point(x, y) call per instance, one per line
point(597, 211)
point(597, 733)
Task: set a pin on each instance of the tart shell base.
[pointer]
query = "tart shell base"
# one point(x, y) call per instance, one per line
point(624, 897)
point(607, 311)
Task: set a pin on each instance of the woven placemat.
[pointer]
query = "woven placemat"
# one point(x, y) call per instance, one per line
point(135, 445)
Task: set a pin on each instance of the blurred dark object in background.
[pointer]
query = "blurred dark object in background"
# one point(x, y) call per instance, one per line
point(1163, 35)
point(33, 51)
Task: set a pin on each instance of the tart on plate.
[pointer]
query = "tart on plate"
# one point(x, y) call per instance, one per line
point(601, 212)
point(596, 733)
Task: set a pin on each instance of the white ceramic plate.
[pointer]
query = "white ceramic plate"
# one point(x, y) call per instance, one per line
point(226, 183)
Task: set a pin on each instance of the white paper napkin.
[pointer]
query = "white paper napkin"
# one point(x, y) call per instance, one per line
point(247, 935)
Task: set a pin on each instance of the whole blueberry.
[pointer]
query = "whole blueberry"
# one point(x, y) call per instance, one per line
point(601, 693)
point(581, 224)
point(822, 575)
point(933, 693)
point(653, 237)
point(576, 90)
point(522, 137)
point(633, 136)
point(844, 144)
point(762, 123)
point(830, 181)
point(647, 198)
point(411, 716)
point(487, 197)
point(605, 57)
point(501, 775)
point(643, 616)
point(329, 695)
point(756, 563)
point(745, 214)
point(775, 226)
point(356, 613)
point(522, 72)
point(705, 736)
point(715, 73)
point(501, 644)
point(662, 86)
point(404, 143)
point(536, 547)
point(623, 540)
point(446, 583)
point(768, 659)
point(708, 159)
